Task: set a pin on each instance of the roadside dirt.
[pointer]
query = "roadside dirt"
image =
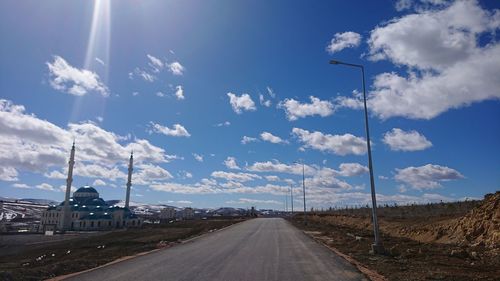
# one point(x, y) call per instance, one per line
point(427, 248)
point(78, 254)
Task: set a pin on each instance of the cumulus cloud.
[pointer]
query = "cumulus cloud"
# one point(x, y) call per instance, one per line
point(352, 169)
point(74, 81)
point(247, 139)
point(398, 139)
point(336, 144)
point(230, 163)
point(295, 110)
point(343, 40)
point(241, 103)
point(30, 144)
point(45, 186)
point(179, 92)
point(99, 182)
point(239, 177)
point(177, 131)
point(277, 167)
point(266, 136)
point(149, 173)
point(176, 68)
point(426, 177)
point(198, 157)
point(447, 65)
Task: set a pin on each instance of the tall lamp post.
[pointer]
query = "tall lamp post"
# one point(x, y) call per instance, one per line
point(291, 196)
point(304, 189)
point(377, 246)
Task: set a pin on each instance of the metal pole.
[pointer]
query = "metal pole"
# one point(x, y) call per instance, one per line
point(377, 246)
point(291, 196)
point(304, 190)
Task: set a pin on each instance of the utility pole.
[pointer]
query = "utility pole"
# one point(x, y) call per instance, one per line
point(304, 191)
point(291, 196)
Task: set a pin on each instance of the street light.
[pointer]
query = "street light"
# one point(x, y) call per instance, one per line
point(377, 246)
point(291, 196)
point(304, 189)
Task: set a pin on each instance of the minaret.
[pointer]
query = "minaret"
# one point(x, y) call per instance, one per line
point(129, 181)
point(65, 222)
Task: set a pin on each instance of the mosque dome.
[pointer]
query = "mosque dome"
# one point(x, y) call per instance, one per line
point(86, 191)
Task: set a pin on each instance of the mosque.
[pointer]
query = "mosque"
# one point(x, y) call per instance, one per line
point(86, 211)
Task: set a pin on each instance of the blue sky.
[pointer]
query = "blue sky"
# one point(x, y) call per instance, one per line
point(220, 99)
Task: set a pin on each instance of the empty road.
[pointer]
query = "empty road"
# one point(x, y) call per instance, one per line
point(259, 249)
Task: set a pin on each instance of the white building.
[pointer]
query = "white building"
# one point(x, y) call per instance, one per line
point(167, 214)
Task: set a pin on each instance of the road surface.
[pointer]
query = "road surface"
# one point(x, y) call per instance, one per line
point(255, 250)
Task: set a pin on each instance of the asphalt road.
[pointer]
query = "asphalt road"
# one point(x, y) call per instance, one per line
point(256, 250)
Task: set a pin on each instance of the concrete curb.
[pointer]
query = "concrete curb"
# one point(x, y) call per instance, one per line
point(371, 274)
point(66, 276)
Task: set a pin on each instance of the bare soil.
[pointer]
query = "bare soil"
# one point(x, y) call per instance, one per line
point(451, 247)
point(57, 258)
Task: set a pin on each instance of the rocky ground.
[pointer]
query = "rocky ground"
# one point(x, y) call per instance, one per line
point(56, 258)
point(452, 247)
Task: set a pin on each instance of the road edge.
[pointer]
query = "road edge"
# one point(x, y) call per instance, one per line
point(125, 258)
point(371, 274)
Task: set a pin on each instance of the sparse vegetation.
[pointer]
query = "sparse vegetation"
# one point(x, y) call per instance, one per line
point(444, 241)
point(64, 257)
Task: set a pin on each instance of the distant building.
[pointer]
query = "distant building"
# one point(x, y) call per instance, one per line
point(86, 210)
point(188, 213)
point(167, 214)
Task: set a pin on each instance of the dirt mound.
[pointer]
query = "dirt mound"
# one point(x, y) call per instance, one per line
point(481, 226)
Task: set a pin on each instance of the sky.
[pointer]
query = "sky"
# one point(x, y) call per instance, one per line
point(228, 103)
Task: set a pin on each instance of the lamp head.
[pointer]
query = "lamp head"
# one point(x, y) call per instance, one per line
point(334, 62)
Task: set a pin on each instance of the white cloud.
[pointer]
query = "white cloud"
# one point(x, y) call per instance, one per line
point(238, 177)
point(253, 201)
point(8, 174)
point(426, 177)
point(45, 186)
point(71, 80)
point(100, 119)
point(402, 5)
point(177, 131)
point(447, 66)
point(99, 182)
point(352, 169)
point(176, 68)
point(21, 185)
point(295, 110)
point(398, 139)
point(266, 136)
point(246, 140)
point(326, 178)
point(160, 94)
point(225, 124)
point(100, 61)
point(230, 163)
point(344, 40)
point(276, 166)
point(337, 144)
point(198, 157)
point(30, 144)
point(149, 173)
point(270, 92)
point(179, 92)
point(264, 102)
point(135, 94)
point(155, 63)
point(241, 103)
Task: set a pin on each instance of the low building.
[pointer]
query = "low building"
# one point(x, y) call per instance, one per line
point(188, 213)
point(167, 214)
